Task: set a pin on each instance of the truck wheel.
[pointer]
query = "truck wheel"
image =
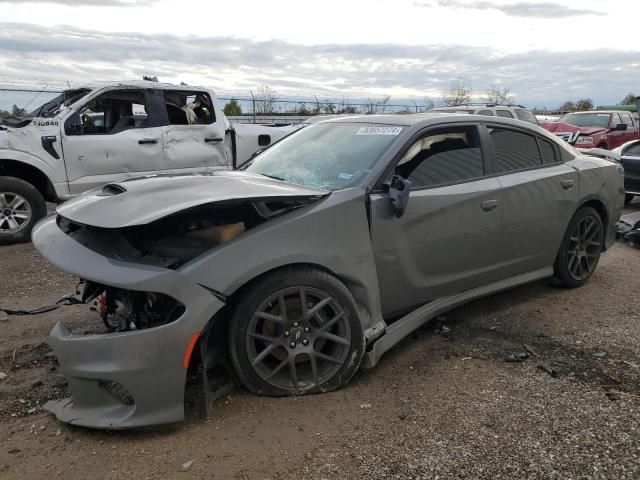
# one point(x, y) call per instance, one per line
point(294, 332)
point(580, 249)
point(21, 206)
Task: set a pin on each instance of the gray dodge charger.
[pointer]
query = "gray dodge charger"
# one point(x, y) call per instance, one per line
point(316, 257)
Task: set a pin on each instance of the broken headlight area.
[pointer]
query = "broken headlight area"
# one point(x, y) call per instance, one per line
point(127, 310)
point(174, 240)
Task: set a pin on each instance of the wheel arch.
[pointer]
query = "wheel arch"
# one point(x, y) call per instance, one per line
point(217, 326)
point(30, 174)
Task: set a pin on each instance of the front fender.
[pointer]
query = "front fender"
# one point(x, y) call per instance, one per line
point(332, 234)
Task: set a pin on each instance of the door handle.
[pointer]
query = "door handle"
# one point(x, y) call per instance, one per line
point(567, 184)
point(489, 205)
point(144, 141)
point(213, 139)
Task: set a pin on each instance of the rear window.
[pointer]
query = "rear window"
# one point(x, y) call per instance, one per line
point(526, 116)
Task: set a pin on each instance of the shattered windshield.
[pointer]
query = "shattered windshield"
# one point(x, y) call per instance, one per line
point(331, 156)
point(586, 119)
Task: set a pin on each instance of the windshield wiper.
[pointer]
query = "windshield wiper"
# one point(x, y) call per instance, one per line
point(273, 176)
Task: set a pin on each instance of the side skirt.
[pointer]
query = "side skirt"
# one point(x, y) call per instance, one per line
point(414, 320)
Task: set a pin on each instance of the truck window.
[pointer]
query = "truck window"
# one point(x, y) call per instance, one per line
point(615, 120)
point(504, 113)
point(626, 118)
point(189, 108)
point(526, 116)
point(113, 112)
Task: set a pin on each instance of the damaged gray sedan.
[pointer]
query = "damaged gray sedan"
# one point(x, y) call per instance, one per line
point(319, 256)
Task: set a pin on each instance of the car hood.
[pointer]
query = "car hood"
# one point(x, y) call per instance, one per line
point(566, 127)
point(142, 200)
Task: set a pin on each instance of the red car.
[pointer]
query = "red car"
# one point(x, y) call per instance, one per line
point(602, 129)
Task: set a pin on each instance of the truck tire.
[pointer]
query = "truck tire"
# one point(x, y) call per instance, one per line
point(21, 206)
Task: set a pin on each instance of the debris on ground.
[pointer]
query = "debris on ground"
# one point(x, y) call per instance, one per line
point(628, 229)
point(517, 357)
point(365, 406)
point(599, 354)
point(186, 466)
point(3, 376)
point(530, 349)
point(549, 369)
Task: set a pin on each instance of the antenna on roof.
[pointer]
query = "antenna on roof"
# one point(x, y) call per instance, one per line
point(149, 79)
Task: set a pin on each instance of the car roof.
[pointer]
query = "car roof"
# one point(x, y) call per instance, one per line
point(420, 120)
point(599, 111)
point(137, 84)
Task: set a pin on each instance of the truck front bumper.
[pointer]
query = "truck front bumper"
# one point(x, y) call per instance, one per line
point(124, 379)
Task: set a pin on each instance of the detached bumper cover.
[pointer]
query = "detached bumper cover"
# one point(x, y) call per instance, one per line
point(146, 364)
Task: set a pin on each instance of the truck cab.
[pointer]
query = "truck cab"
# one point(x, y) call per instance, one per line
point(596, 129)
point(100, 133)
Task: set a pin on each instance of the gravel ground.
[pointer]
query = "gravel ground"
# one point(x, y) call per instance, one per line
point(466, 397)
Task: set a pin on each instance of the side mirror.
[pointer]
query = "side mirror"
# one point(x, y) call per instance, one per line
point(73, 126)
point(399, 190)
point(621, 127)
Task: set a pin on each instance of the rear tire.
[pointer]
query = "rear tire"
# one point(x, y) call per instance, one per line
point(21, 206)
point(580, 249)
point(295, 331)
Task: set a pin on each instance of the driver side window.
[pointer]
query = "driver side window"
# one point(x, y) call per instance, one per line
point(447, 156)
point(113, 112)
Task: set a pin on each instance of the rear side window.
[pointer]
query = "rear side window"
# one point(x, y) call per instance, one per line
point(488, 113)
point(547, 151)
point(448, 156)
point(526, 116)
point(189, 108)
point(514, 150)
point(626, 118)
point(504, 113)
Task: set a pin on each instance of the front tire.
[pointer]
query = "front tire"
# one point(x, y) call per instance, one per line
point(295, 331)
point(21, 206)
point(580, 249)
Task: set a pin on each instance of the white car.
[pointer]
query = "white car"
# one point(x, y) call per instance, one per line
point(101, 133)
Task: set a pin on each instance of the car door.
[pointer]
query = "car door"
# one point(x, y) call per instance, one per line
point(194, 137)
point(539, 195)
point(631, 163)
point(114, 135)
point(631, 132)
point(446, 241)
point(615, 138)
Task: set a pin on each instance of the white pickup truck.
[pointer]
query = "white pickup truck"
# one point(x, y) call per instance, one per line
point(96, 134)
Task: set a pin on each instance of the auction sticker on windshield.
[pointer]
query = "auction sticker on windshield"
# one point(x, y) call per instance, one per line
point(379, 131)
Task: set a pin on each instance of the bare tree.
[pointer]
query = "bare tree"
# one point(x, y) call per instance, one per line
point(265, 100)
point(373, 106)
point(458, 93)
point(630, 99)
point(499, 96)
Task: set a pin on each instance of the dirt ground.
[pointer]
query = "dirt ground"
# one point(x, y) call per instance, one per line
point(455, 400)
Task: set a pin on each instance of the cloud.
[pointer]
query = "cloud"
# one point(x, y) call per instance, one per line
point(59, 54)
point(88, 3)
point(547, 10)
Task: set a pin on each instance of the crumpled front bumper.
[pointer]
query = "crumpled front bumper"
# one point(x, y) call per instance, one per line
point(146, 364)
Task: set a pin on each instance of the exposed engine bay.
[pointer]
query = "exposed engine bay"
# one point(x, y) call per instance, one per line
point(174, 240)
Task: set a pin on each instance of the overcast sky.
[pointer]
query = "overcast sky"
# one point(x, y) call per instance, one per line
point(545, 52)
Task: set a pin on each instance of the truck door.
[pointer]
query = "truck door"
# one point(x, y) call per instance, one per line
point(194, 139)
point(114, 135)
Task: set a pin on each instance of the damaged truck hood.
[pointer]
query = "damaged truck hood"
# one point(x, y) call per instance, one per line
point(142, 200)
